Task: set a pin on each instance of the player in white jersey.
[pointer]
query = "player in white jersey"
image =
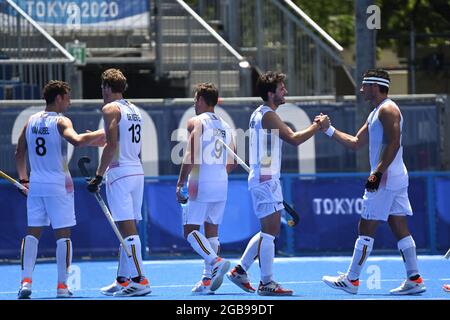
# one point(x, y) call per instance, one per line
point(267, 131)
point(207, 164)
point(121, 162)
point(386, 194)
point(51, 196)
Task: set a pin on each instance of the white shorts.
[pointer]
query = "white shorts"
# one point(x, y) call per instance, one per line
point(125, 196)
point(55, 210)
point(381, 204)
point(267, 198)
point(200, 212)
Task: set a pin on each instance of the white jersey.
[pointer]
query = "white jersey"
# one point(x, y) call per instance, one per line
point(265, 150)
point(130, 136)
point(47, 153)
point(208, 179)
point(396, 176)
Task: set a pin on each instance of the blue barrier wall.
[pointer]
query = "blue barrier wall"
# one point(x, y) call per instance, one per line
point(328, 205)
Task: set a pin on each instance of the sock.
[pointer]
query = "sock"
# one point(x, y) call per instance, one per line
point(123, 271)
point(251, 252)
point(28, 255)
point(266, 256)
point(407, 248)
point(363, 248)
point(63, 258)
point(202, 246)
point(135, 265)
point(215, 245)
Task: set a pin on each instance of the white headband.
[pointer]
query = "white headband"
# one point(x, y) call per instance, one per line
point(379, 81)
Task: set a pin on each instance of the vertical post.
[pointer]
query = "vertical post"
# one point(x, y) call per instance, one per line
point(189, 54)
point(291, 83)
point(365, 59)
point(159, 66)
point(412, 60)
point(245, 81)
point(259, 36)
point(233, 23)
point(317, 69)
point(219, 67)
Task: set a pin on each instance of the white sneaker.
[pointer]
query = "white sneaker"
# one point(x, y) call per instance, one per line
point(218, 270)
point(112, 288)
point(25, 289)
point(62, 291)
point(241, 280)
point(410, 287)
point(202, 287)
point(273, 289)
point(342, 282)
point(134, 289)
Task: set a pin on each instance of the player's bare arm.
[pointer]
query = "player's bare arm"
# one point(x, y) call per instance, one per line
point(111, 117)
point(272, 121)
point(65, 128)
point(390, 118)
point(194, 128)
point(21, 156)
point(353, 142)
point(231, 161)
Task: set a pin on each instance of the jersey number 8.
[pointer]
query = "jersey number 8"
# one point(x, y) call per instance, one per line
point(40, 147)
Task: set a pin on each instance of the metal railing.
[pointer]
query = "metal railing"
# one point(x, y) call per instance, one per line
point(278, 35)
point(189, 48)
point(29, 56)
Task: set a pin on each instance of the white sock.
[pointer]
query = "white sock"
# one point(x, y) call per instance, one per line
point(135, 266)
point(266, 256)
point(202, 246)
point(251, 252)
point(123, 270)
point(215, 245)
point(407, 248)
point(363, 248)
point(28, 255)
point(63, 258)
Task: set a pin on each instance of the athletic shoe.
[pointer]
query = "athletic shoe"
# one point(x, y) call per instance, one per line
point(62, 291)
point(203, 287)
point(342, 282)
point(133, 289)
point(446, 287)
point(218, 270)
point(114, 287)
point(410, 287)
point(273, 289)
point(240, 279)
point(25, 289)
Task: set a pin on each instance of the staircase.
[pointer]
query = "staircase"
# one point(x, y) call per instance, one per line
point(190, 53)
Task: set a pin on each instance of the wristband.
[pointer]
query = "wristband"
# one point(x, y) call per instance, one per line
point(330, 131)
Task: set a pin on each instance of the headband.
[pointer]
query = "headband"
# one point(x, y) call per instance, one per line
point(377, 80)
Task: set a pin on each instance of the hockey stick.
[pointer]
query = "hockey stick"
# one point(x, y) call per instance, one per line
point(82, 165)
point(14, 182)
point(447, 255)
point(294, 215)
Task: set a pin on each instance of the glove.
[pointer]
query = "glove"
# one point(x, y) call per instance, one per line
point(25, 183)
point(373, 182)
point(94, 184)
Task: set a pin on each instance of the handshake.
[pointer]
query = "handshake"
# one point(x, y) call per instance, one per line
point(323, 121)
